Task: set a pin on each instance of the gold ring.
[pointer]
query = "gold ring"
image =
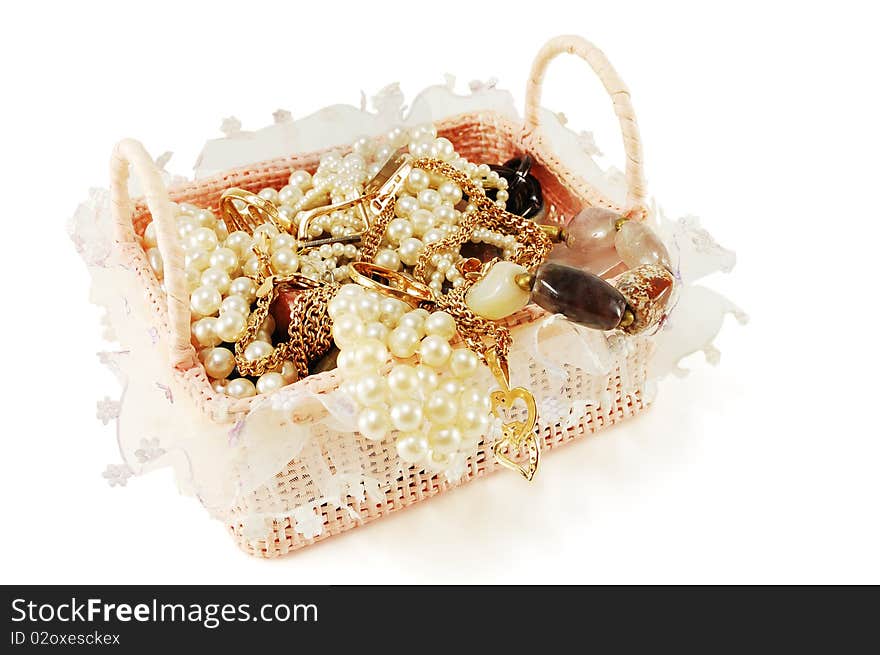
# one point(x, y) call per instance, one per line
point(391, 283)
point(258, 210)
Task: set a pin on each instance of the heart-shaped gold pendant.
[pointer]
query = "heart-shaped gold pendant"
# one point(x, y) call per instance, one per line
point(514, 434)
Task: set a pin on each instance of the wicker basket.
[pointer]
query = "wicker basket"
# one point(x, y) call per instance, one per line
point(482, 137)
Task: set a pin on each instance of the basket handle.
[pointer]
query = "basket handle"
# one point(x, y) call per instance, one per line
point(131, 154)
point(632, 144)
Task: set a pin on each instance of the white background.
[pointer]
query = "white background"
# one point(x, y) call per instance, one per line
point(759, 117)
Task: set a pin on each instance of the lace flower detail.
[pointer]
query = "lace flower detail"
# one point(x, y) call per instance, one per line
point(149, 450)
point(117, 475)
point(108, 410)
point(309, 523)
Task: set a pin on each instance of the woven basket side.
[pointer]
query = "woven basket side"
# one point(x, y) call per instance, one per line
point(275, 501)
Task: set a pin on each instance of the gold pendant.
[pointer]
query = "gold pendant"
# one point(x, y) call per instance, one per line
point(514, 434)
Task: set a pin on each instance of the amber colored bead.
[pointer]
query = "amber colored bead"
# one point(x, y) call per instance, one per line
point(637, 244)
point(580, 296)
point(647, 289)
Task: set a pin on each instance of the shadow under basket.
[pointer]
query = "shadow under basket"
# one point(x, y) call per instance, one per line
point(480, 137)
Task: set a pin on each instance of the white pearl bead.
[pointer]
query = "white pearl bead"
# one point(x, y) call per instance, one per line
point(473, 421)
point(387, 258)
point(221, 231)
point(451, 386)
point(444, 439)
point(348, 329)
point(283, 240)
point(373, 423)
point(257, 350)
point(217, 278)
point(219, 362)
point(429, 199)
point(370, 354)
point(409, 251)
point(244, 287)
point(251, 266)
point(266, 228)
point(241, 388)
point(268, 382)
point(464, 363)
point(205, 301)
point(406, 415)
point(428, 377)
point(432, 235)
point(368, 307)
point(202, 238)
point(203, 332)
point(434, 351)
point(412, 448)
point(405, 205)
point(403, 341)
point(288, 372)
point(444, 215)
point(289, 194)
point(450, 192)
point(300, 179)
point(403, 381)
point(398, 230)
point(417, 180)
point(372, 390)
point(441, 408)
point(421, 220)
point(354, 291)
point(390, 311)
point(285, 261)
point(239, 242)
point(235, 304)
point(339, 305)
point(376, 330)
point(397, 137)
point(476, 398)
point(442, 149)
point(414, 320)
point(226, 259)
point(206, 218)
point(440, 324)
point(269, 194)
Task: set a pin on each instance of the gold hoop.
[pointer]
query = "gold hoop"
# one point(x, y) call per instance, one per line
point(258, 211)
point(391, 283)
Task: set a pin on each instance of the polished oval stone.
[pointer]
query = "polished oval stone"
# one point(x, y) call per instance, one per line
point(498, 295)
point(598, 262)
point(647, 289)
point(580, 296)
point(637, 244)
point(591, 230)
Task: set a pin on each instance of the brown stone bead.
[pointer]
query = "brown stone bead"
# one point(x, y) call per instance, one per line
point(579, 295)
point(647, 289)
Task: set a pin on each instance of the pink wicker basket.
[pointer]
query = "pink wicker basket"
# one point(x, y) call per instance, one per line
point(481, 137)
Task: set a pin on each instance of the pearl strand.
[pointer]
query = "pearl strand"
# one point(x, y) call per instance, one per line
point(428, 396)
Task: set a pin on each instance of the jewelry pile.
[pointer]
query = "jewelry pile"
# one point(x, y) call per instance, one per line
point(395, 263)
